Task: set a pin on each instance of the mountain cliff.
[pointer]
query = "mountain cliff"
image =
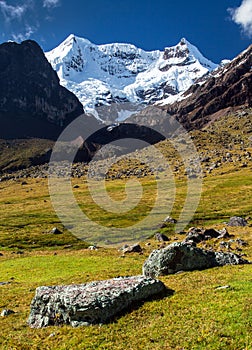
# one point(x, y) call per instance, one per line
point(32, 101)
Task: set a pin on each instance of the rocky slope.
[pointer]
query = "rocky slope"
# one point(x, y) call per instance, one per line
point(223, 146)
point(105, 74)
point(225, 90)
point(32, 101)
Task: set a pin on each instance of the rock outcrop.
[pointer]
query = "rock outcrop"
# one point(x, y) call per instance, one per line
point(186, 257)
point(32, 101)
point(90, 303)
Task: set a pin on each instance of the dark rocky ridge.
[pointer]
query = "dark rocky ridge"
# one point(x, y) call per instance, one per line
point(228, 87)
point(32, 102)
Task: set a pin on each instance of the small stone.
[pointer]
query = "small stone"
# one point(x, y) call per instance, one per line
point(135, 248)
point(76, 186)
point(222, 287)
point(223, 234)
point(225, 245)
point(170, 220)
point(56, 231)
point(241, 242)
point(92, 247)
point(123, 247)
point(7, 312)
point(161, 237)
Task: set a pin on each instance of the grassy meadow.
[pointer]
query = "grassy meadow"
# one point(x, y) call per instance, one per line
point(195, 315)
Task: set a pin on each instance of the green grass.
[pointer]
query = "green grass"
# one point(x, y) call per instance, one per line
point(196, 316)
point(27, 215)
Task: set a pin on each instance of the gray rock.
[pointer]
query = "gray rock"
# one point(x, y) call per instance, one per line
point(223, 233)
point(161, 237)
point(7, 312)
point(170, 220)
point(89, 303)
point(237, 221)
point(225, 245)
point(222, 287)
point(4, 283)
point(92, 247)
point(56, 231)
point(135, 248)
point(198, 235)
point(184, 256)
point(241, 242)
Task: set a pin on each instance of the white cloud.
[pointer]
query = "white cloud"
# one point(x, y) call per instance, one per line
point(51, 3)
point(11, 12)
point(25, 35)
point(242, 16)
point(23, 19)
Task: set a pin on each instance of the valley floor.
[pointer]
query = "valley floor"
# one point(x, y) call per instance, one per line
point(196, 316)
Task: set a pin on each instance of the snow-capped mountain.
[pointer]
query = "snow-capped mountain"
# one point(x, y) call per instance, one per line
point(103, 74)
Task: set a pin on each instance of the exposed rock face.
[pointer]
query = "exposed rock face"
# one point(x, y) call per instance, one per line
point(229, 86)
point(31, 98)
point(90, 303)
point(186, 257)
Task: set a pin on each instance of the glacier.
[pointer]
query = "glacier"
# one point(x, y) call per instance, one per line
point(100, 75)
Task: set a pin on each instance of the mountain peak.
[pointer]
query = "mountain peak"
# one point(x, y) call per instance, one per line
point(185, 53)
point(120, 72)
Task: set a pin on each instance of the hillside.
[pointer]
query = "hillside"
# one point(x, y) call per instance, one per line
point(224, 91)
point(216, 301)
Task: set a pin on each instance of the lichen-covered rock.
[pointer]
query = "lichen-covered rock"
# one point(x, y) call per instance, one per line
point(89, 303)
point(186, 257)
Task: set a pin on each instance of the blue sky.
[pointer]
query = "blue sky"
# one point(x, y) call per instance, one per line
point(219, 28)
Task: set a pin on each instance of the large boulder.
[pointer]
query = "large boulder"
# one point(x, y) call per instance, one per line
point(89, 303)
point(186, 257)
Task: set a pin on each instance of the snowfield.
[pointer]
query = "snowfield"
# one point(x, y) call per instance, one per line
point(104, 74)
